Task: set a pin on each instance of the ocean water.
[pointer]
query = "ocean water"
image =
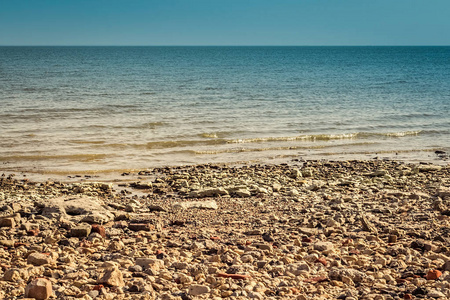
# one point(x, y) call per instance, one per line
point(108, 109)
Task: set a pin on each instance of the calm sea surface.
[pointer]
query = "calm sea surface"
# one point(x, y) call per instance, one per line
point(88, 109)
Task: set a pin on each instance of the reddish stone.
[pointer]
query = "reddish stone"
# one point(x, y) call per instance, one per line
point(401, 280)
point(98, 287)
point(433, 274)
point(215, 238)
point(33, 232)
point(247, 243)
point(233, 276)
point(407, 296)
point(306, 240)
point(99, 229)
point(322, 260)
point(316, 279)
point(347, 241)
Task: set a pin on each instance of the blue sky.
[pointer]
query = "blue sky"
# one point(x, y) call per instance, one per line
point(225, 22)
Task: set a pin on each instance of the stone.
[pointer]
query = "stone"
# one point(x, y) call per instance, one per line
point(99, 229)
point(354, 275)
point(140, 226)
point(111, 277)
point(7, 222)
point(209, 192)
point(7, 243)
point(196, 204)
point(39, 289)
point(433, 274)
point(298, 268)
point(98, 217)
point(150, 263)
point(197, 289)
point(323, 246)
point(66, 207)
point(39, 259)
point(82, 230)
point(244, 193)
point(15, 274)
point(436, 294)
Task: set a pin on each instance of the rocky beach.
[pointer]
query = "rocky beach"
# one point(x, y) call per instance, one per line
point(303, 230)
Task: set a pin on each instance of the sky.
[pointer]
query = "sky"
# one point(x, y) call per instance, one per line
point(225, 22)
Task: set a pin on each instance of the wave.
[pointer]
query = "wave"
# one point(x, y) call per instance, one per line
point(241, 150)
point(71, 157)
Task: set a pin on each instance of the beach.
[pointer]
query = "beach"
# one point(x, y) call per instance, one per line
point(307, 229)
point(224, 172)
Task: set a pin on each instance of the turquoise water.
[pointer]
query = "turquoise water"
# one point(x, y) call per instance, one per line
point(66, 109)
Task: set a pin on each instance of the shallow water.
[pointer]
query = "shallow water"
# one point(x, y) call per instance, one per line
point(91, 109)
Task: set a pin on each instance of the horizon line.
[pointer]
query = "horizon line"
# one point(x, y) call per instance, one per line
point(55, 45)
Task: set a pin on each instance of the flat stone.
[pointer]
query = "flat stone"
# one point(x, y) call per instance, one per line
point(150, 263)
point(323, 246)
point(197, 289)
point(196, 204)
point(38, 259)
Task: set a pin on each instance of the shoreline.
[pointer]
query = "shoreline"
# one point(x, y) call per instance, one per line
point(436, 157)
point(305, 230)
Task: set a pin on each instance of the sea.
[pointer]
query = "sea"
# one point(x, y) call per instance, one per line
point(70, 110)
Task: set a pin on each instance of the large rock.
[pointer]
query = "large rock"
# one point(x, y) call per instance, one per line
point(39, 289)
point(196, 204)
point(111, 277)
point(67, 208)
point(39, 259)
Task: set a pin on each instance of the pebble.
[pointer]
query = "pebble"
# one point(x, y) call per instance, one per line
point(306, 230)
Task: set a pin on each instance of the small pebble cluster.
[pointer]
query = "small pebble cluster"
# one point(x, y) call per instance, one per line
point(305, 230)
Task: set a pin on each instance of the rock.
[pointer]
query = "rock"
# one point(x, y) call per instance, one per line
point(244, 193)
point(140, 226)
point(7, 222)
point(156, 208)
point(99, 229)
point(196, 204)
point(150, 263)
point(7, 243)
point(429, 168)
point(197, 289)
point(15, 274)
point(433, 274)
point(298, 268)
point(98, 217)
point(39, 289)
point(38, 259)
point(82, 230)
point(323, 246)
point(354, 275)
point(66, 207)
point(210, 192)
point(436, 294)
point(111, 277)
